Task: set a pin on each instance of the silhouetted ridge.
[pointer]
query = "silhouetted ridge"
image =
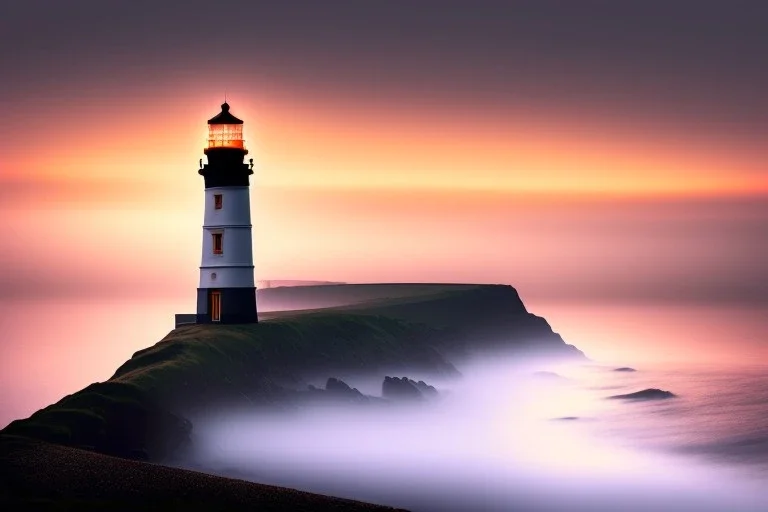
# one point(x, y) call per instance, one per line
point(477, 317)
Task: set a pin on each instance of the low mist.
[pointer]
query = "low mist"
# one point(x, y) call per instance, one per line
point(504, 436)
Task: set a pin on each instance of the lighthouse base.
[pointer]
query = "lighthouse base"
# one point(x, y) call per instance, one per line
point(226, 306)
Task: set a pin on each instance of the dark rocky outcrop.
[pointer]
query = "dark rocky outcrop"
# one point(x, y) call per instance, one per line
point(394, 388)
point(339, 387)
point(646, 394)
point(625, 369)
point(426, 390)
point(341, 390)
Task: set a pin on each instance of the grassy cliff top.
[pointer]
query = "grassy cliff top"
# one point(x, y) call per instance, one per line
point(281, 349)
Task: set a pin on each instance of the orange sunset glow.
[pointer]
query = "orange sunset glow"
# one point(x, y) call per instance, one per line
point(354, 146)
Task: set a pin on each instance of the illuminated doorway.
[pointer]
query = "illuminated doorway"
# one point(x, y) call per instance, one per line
point(215, 306)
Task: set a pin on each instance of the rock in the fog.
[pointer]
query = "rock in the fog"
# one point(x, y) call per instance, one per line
point(646, 394)
point(340, 389)
point(405, 388)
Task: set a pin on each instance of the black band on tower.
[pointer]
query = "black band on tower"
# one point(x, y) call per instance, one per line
point(225, 168)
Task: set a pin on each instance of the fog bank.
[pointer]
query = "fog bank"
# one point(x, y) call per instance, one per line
point(503, 436)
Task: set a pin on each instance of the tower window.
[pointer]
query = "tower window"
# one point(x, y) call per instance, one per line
point(217, 201)
point(218, 246)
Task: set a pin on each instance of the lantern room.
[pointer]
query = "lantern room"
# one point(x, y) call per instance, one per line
point(225, 131)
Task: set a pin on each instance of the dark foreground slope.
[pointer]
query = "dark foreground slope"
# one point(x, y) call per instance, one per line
point(42, 476)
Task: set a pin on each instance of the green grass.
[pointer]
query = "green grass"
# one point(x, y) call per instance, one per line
point(203, 355)
point(110, 417)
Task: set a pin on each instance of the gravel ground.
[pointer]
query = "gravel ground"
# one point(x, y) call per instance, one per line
point(36, 475)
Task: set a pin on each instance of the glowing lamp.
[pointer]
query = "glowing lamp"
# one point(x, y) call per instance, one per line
point(225, 131)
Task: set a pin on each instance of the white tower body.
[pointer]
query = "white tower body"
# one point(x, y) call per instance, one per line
point(232, 266)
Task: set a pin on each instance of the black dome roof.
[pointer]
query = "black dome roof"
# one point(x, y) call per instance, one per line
point(224, 117)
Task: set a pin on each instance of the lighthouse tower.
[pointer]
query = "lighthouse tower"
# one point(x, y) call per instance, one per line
point(227, 293)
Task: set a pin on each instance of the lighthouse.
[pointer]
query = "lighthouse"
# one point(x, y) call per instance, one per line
point(227, 293)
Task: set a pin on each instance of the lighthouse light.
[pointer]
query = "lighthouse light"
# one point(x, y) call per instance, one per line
point(225, 136)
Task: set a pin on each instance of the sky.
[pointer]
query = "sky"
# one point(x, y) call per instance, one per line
point(548, 144)
point(585, 152)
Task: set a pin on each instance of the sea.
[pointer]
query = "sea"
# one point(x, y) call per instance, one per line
point(506, 436)
point(512, 437)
